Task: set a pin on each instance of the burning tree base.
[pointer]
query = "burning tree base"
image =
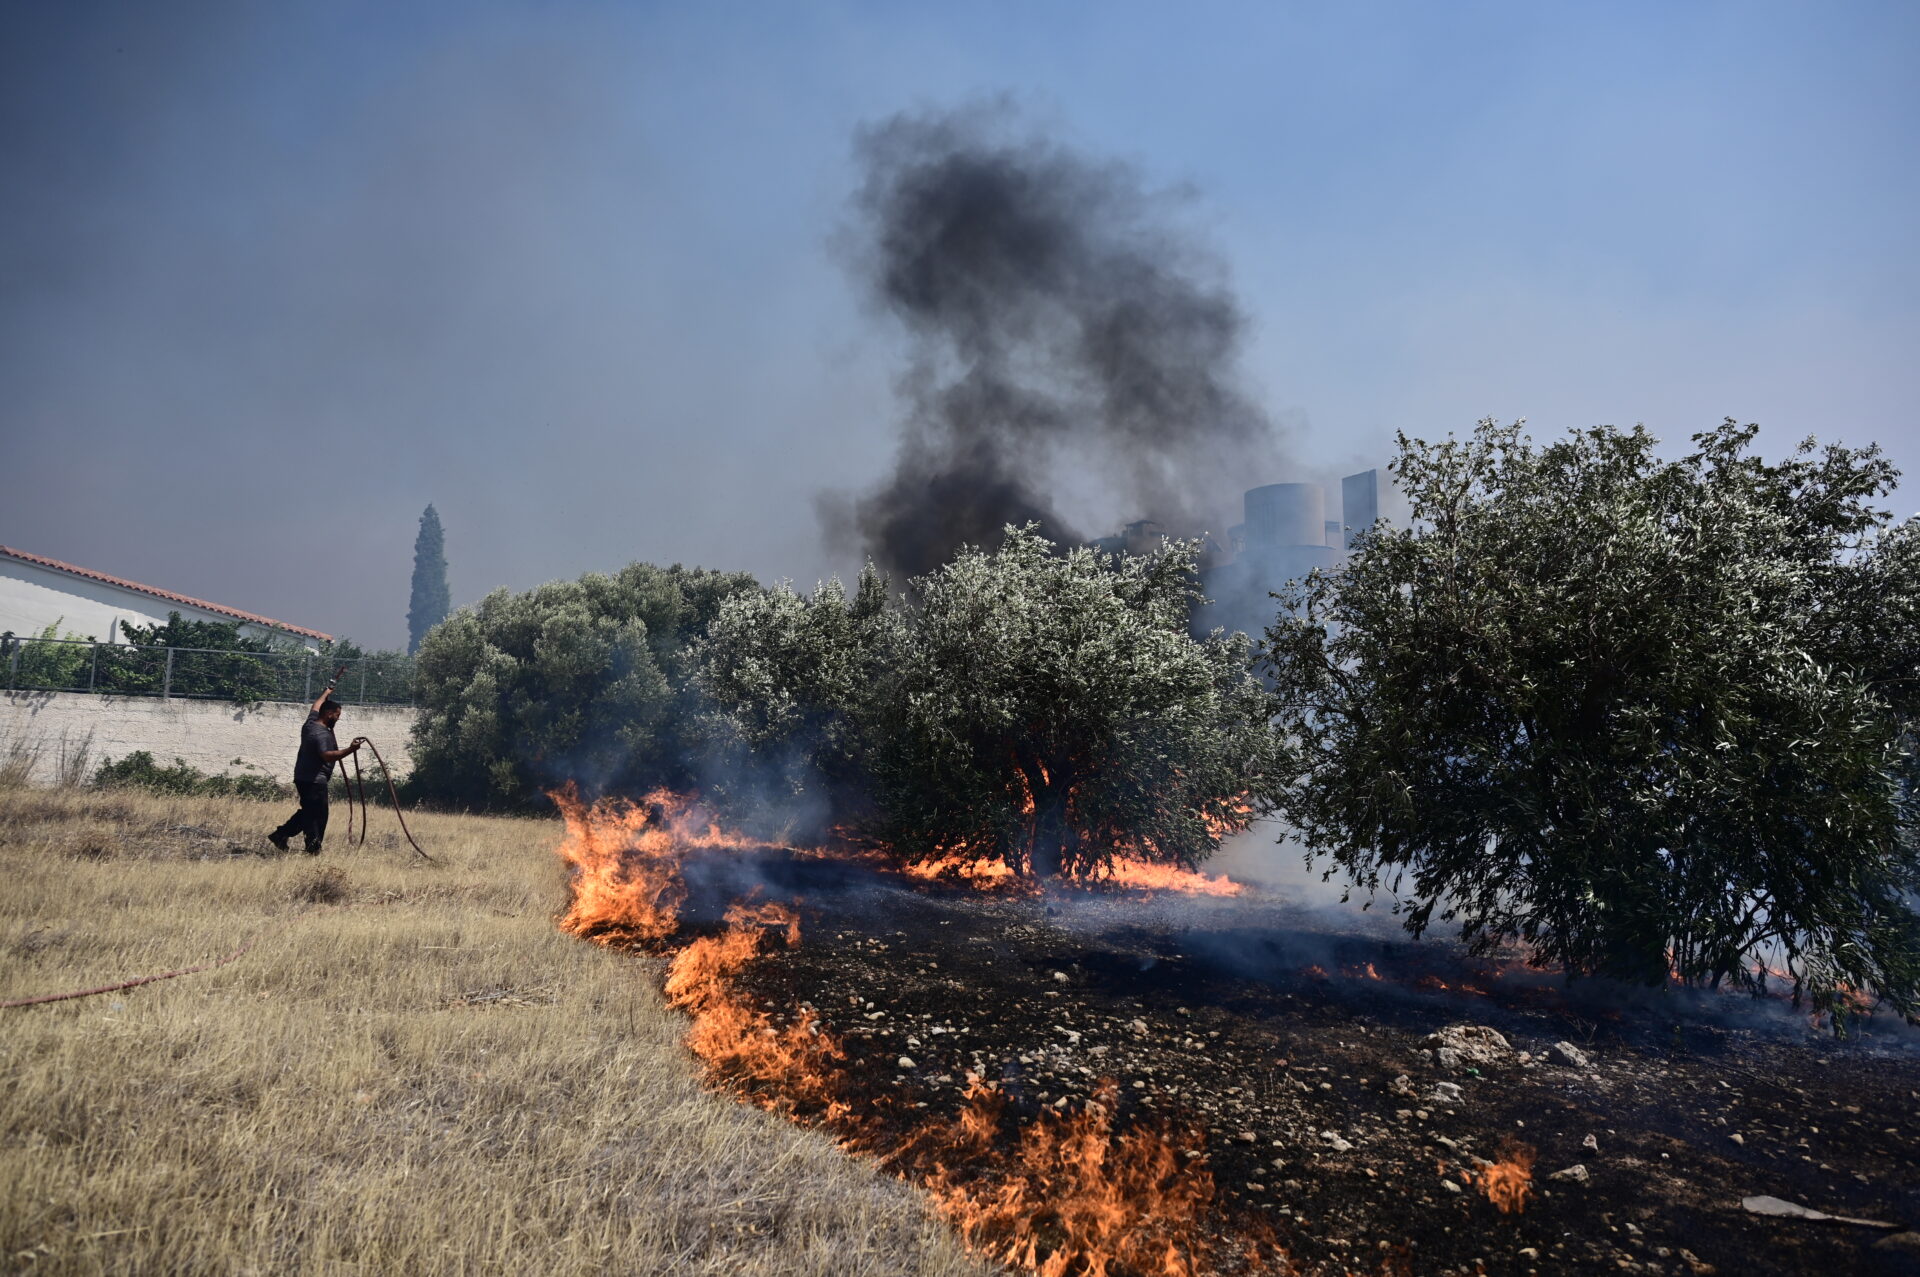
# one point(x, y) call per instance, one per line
point(1090, 1083)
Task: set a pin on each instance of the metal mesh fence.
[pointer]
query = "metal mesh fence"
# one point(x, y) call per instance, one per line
point(121, 669)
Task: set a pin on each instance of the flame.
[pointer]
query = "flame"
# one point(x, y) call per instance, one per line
point(1076, 1196)
point(1508, 1182)
point(986, 872)
point(1127, 871)
point(993, 874)
point(1064, 1193)
point(625, 861)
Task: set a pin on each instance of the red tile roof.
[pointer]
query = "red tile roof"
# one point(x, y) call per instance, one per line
point(234, 612)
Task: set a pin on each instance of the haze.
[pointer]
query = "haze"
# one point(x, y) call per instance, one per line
point(273, 277)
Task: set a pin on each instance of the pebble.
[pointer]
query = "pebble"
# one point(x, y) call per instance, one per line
point(1568, 1054)
point(1575, 1174)
point(1449, 1185)
point(1737, 1138)
point(906, 1061)
point(1591, 1142)
point(1061, 977)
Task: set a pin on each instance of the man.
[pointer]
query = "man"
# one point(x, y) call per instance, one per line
point(312, 770)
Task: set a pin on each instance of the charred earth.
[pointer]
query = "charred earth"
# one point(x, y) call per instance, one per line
point(1330, 1096)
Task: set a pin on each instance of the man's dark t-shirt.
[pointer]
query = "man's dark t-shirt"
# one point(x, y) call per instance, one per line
point(310, 767)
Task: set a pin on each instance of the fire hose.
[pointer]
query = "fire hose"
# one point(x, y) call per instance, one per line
point(358, 787)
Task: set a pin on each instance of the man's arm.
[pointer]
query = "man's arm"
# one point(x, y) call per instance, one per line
point(335, 755)
point(328, 689)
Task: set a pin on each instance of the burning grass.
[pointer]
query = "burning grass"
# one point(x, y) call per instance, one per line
point(1065, 1192)
point(423, 1076)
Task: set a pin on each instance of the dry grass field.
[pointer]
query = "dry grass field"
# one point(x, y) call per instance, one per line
point(412, 1071)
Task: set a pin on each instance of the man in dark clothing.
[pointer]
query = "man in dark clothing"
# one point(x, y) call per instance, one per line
point(312, 770)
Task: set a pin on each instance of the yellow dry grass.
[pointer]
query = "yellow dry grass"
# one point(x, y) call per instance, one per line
point(423, 1078)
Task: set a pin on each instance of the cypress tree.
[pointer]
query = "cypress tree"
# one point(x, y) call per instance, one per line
point(430, 603)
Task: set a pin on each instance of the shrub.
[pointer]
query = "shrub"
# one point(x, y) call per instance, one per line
point(138, 771)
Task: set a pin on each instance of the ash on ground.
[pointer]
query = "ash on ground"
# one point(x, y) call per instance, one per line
point(1363, 1095)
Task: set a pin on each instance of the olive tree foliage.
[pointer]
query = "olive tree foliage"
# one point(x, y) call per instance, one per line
point(1046, 709)
point(581, 680)
point(1640, 715)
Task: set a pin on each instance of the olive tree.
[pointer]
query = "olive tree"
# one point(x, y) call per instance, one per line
point(581, 680)
point(1642, 715)
point(1047, 709)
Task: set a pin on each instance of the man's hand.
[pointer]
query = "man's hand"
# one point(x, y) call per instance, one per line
point(358, 741)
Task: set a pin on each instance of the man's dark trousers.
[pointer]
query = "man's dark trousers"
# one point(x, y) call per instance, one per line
point(311, 819)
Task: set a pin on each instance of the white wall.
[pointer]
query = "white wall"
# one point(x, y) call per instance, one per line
point(33, 597)
point(210, 735)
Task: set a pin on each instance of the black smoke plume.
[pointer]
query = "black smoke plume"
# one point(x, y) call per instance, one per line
point(1058, 320)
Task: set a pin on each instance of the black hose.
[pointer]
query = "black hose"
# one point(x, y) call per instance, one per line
point(394, 795)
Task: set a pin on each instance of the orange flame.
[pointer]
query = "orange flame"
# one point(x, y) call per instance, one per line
point(625, 861)
point(1076, 1196)
point(1126, 871)
point(1508, 1182)
point(1064, 1193)
point(991, 873)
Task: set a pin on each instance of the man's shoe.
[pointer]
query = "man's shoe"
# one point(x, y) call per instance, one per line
point(279, 842)
point(312, 849)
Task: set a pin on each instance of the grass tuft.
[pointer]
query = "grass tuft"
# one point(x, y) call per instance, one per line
point(326, 885)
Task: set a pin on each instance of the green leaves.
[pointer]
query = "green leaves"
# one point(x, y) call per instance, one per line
point(1044, 708)
point(583, 680)
point(1635, 713)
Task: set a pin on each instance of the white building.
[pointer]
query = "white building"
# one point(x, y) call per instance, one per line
point(36, 592)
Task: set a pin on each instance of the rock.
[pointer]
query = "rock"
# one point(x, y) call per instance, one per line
point(1591, 1143)
point(1570, 1055)
point(1401, 1086)
point(1737, 1138)
point(1061, 977)
point(1334, 1141)
point(1139, 1028)
point(1696, 1265)
point(1780, 1208)
point(1449, 1185)
point(1245, 1137)
point(1907, 1244)
point(1460, 1046)
point(1575, 1174)
point(1445, 1093)
point(906, 1061)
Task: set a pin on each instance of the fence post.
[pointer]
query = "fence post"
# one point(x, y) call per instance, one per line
point(93, 670)
point(363, 682)
point(306, 688)
point(13, 666)
point(166, 680)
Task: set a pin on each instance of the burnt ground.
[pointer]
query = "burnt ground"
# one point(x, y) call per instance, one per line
point(1264, 1024)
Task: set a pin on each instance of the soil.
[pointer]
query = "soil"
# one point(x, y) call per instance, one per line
point(1300, 1043)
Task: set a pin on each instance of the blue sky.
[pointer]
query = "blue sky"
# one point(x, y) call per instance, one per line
point(272, 277)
